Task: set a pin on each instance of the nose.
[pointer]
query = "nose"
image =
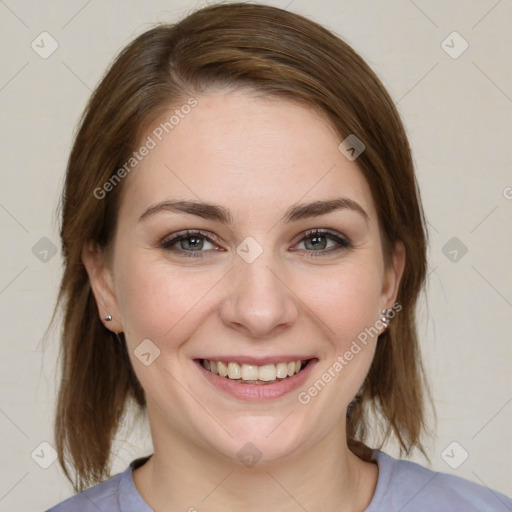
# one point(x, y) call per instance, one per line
point(260, 302)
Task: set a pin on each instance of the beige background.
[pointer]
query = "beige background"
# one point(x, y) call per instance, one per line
point(458, 114)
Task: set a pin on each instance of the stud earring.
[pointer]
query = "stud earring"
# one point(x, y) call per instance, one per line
point(385, 317)
point(108, 318)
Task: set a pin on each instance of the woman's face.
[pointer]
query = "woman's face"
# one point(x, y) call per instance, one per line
point(255, 289)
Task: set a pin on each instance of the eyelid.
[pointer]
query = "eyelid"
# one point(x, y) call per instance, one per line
point(323, 231)
point(176, 237)
point(342, 241)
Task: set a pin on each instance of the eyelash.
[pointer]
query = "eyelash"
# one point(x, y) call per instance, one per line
point(343, 243)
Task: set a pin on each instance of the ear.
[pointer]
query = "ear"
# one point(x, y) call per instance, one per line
point(393, 275)
point(101, 280)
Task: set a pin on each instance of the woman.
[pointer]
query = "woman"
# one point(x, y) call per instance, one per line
point(244, 247)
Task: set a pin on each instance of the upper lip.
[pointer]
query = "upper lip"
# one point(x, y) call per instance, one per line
point(258, 361)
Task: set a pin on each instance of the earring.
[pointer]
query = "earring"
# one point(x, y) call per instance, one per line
point(385, 317)
point(108, 318)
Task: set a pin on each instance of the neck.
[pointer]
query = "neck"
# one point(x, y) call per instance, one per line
point(325, 477)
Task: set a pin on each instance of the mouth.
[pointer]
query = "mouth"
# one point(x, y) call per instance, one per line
point(254, 374)
point(256, 382)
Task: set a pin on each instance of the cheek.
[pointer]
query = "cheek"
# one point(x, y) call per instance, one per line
point(348, 308)
point(143, 300)
point(347, 301)
point(158, 300)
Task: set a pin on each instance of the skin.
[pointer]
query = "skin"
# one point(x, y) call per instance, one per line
point(255, 157)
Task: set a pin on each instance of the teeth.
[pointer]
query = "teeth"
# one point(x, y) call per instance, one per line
point(281, 370)
point(234, 371)
point(250, 372)
point(267, 372)
point(222, 368)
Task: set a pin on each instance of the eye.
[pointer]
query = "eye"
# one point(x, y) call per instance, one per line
point(317, 241)
point(190, 243)
point(195, 243)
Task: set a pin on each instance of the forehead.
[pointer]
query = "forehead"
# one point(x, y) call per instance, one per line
point(254, 155)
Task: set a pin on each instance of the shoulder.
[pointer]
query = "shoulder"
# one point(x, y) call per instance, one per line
point(115, 494)
point(407, 486)
point(104, 496)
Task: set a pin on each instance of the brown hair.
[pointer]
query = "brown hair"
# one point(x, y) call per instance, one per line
point(280, 54)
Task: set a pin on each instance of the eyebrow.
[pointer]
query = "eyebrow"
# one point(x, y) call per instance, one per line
point(219, 213)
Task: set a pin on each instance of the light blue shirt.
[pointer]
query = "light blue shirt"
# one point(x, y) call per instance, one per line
point(402, 486)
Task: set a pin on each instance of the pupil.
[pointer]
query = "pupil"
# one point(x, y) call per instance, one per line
point(197, 242)
point(316, 243)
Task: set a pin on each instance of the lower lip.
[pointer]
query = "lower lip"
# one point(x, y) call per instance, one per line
point(258, 391)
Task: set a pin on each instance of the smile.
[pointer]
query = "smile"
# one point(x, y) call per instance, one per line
point(254, 374)
point(245, 380)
